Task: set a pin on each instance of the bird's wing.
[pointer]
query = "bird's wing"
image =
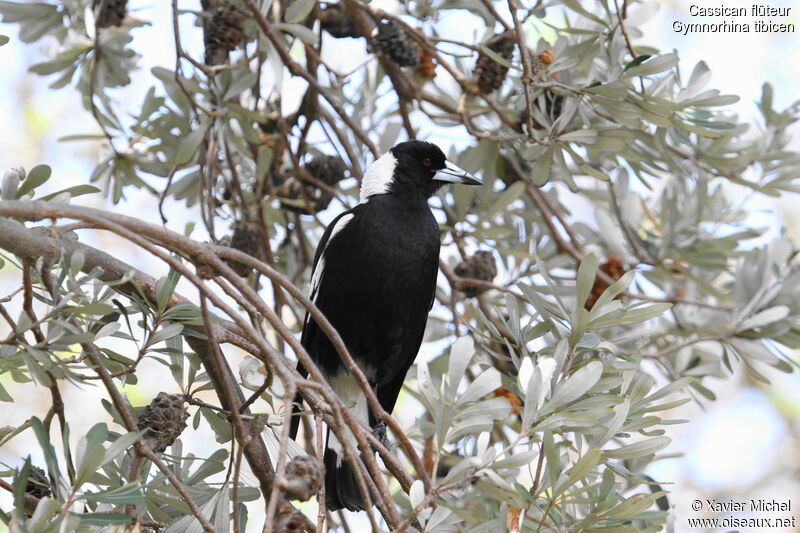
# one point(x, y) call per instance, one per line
point(316, 276)
point(316, 271)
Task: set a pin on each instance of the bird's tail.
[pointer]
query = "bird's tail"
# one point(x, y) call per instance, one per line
point(341, 489)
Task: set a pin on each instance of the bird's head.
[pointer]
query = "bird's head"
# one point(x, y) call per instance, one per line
point(412, 167)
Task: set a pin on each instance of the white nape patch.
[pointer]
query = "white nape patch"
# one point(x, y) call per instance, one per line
point(346, 387)
point(316, 276)
point(378, 177)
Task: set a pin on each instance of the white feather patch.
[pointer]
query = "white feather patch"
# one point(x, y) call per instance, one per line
point(316, 276)
point(346, 387)
point(378, 177)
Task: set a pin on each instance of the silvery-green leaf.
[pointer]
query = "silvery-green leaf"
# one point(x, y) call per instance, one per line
point(303, 33)
point(638, 449)
point(525, 372)
point(11, 181)
point(585, 279)
point(417, 493)
point(298, 10)
point(460, 355)
point(632, 315)
point(764, 318)
point(534, 395)
point(485, 383)
point(191, 143)
point(583, 466)
point(425, 386)
point(575, 386)
point(634, 505)
point(617, 288)
point(583, 136)
point(166, 332)
point(495, 408)
point(620, 415)
point(516, 460)
point(242, 83)
point(470, 426)
point(37, 176)
point(122, 443)
point(654, 65)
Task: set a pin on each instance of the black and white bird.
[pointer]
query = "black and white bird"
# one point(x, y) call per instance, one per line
point(374, 279)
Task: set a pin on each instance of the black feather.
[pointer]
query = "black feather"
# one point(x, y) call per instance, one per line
point(378, 264)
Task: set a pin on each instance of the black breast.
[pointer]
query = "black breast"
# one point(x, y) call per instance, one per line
point(377, 285)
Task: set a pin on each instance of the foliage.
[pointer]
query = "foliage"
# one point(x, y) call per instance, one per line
point(629, 270)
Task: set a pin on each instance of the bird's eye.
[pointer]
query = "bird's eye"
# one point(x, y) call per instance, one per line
point(426, 162)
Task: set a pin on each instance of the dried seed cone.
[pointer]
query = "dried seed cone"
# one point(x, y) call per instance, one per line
point(163, 420)
point(290, 520)
point(38, 483)
point(338, 22)
point(480, 266)
point(112, 13)
point(393, 41)
point(245, 238)
point(223, 34)
point(328, 169)
point(303, 478)
point(488, 73)
point(306, 197)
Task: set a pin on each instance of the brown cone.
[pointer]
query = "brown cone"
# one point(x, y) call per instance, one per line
point(163, 421)
point(223, 34)
point(393, 41)
point(304, 477)
point(489, 74)
point(112, 14)
point(338, 22)
point(246, 238)
point(480, 266)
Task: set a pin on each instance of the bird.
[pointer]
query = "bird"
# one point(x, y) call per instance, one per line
point(374, 278)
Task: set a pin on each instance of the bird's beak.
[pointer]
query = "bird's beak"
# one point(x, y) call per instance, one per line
point(453, 174)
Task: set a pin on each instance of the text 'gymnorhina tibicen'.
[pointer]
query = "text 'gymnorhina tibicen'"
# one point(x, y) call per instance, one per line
point(374, 278)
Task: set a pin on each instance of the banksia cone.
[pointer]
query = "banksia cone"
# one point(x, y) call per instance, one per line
point(38, 484)
point(112, 13)
point(392, 40)
point(246, 238)
point(223, 33)
point(615, 268)
point(308, 198)
point(290, 520)
point(303, 478)
point(480, 266)
point(328, 169)
point(163, 421)
point(338, 22)
point(489, 74)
